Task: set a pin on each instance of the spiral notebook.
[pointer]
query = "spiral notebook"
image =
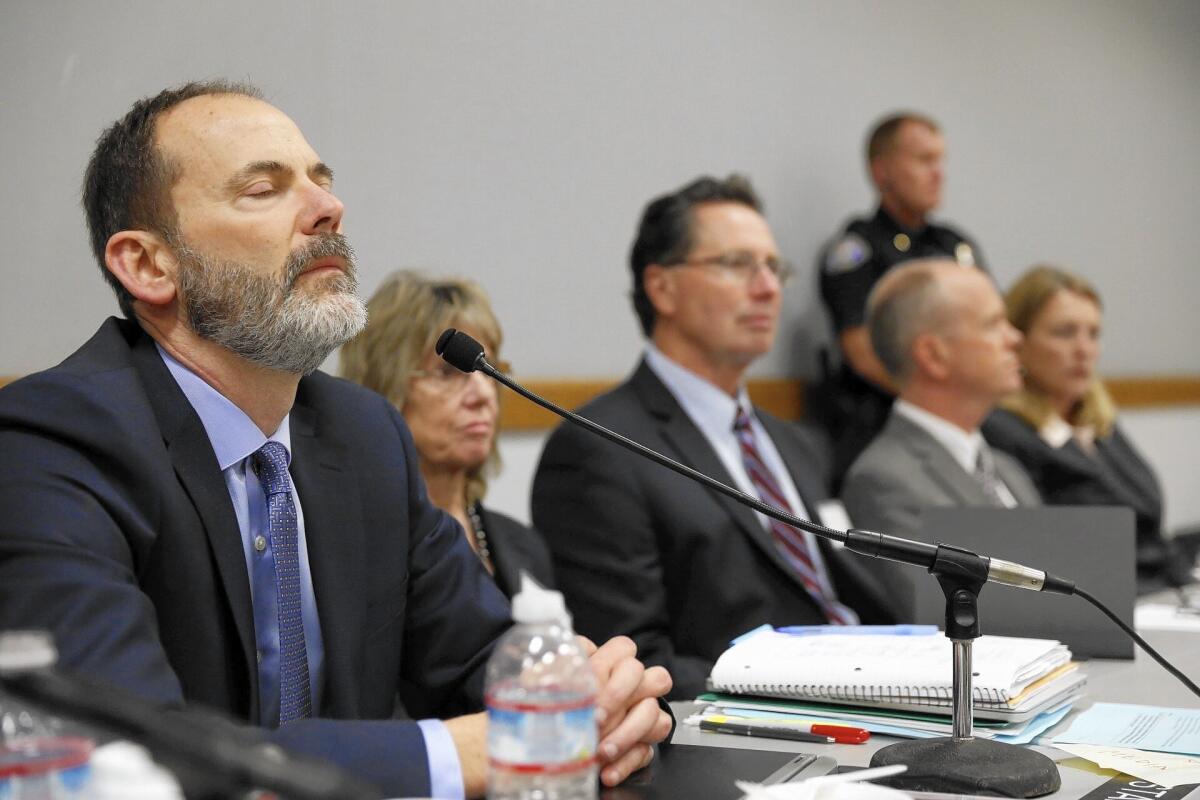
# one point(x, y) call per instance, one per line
point(1012, 676)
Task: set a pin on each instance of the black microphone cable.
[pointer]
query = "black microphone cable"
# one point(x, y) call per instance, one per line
point(461, 351)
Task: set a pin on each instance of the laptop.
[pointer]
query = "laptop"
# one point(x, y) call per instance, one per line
point(1094, 546)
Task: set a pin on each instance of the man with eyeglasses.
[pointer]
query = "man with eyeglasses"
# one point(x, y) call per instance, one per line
point(695, 568)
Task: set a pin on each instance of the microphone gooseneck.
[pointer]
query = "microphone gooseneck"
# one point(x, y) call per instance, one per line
point(463, 352)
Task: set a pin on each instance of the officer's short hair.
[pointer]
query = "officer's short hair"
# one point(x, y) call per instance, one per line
point(905, 303)
point(883, 135)
point(664, 234)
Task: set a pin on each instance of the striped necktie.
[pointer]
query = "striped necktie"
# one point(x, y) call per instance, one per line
point(295, 694)
point(989, 480)
point(791, 542)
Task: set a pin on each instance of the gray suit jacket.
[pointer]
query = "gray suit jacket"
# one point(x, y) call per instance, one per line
point(905, 471)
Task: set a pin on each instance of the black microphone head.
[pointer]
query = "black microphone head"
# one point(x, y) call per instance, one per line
point(459, 350)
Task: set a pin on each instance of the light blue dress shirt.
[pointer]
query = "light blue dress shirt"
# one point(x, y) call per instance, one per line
point(234, 438)
point(712, 410)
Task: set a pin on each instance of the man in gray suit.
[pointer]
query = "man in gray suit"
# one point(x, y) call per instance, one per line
point(942, 334)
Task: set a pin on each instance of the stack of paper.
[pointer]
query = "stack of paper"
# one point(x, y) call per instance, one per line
point(1155, 743)
point(896, 685)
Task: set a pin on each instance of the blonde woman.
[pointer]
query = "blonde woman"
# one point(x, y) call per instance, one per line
point(1063, 425)
point(452, 414)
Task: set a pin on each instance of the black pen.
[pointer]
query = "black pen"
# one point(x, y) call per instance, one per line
point(765, 731)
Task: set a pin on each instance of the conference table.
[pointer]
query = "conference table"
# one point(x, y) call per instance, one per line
point(1139, 681)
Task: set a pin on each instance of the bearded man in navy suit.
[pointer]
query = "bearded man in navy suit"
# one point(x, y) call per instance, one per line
point(134, 476)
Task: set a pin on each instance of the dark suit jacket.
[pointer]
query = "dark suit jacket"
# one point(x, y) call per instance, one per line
point(117, 534)
point(903, 472)
point(641, 551)
point(516, 547)
point(1117, 475)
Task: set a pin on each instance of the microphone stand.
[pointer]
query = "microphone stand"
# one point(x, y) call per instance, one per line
point(960, 763)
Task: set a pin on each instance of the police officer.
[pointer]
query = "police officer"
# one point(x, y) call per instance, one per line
point(904, 157)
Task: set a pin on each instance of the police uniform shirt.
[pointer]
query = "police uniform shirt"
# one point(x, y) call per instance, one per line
point(869, 247)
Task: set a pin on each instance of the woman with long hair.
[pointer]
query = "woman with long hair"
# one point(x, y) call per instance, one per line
point(1063, 425)
point(453, 415)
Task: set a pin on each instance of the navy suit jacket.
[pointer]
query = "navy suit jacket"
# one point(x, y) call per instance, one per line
point(641, 551)
point(117, 534)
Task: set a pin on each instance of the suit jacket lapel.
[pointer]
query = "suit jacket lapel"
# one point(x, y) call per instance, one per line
point(1017, 480)
point(334, 534)
point(692, 448)
point(939, 465)
point(853, 583)
point(200, 475)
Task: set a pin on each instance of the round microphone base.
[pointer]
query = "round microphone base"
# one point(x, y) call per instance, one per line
point(970, 766)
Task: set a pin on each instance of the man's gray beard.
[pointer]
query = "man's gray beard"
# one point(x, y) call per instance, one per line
point(269, 321)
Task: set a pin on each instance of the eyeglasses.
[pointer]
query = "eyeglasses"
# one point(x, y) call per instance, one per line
point(741, 266)
point(449, 378)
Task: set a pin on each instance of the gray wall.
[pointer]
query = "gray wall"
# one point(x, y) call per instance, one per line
point(516, 142)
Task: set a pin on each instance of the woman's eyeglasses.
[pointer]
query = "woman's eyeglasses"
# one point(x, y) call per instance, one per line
point(451, 379)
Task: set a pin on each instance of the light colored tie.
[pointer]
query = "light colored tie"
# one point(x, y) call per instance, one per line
point(295, 693)
point(791, 542)
point(985, 474)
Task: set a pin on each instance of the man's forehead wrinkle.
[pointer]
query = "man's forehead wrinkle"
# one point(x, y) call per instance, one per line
point(226, 119)
point(224, 138)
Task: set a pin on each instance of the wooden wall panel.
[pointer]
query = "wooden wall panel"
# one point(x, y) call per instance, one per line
point(784, 397)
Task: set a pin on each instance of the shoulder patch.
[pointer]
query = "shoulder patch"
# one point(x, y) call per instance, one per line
point(848, 253)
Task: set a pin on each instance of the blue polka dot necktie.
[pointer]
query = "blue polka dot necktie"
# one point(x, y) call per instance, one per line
point(295, 695)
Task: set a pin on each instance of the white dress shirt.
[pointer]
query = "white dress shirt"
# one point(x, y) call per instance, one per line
point(963, 447)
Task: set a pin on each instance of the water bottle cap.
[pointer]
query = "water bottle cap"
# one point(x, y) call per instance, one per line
point(535, 604)
point(21, 651)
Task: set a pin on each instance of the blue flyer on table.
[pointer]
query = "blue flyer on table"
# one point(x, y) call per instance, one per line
point(1167, 730)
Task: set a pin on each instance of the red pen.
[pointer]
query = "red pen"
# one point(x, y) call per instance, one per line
point(842, 734)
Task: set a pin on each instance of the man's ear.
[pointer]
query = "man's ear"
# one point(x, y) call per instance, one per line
point(660, 286)
point(931, 356)
point(144, 265)
point(880, 174)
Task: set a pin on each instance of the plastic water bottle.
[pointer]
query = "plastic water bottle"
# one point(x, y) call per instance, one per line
point(37, 762)
point(541, 700)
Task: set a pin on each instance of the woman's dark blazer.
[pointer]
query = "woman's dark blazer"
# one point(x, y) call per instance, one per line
point(515, 547)
point(1115, 475)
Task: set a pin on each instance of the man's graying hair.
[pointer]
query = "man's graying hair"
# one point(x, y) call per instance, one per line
point(128, 181)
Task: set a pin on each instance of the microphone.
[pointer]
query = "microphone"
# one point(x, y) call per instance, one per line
point(461, 351)
point(961, 763)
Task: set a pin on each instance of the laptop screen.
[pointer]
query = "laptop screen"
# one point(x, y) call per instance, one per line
point(1093, 546)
